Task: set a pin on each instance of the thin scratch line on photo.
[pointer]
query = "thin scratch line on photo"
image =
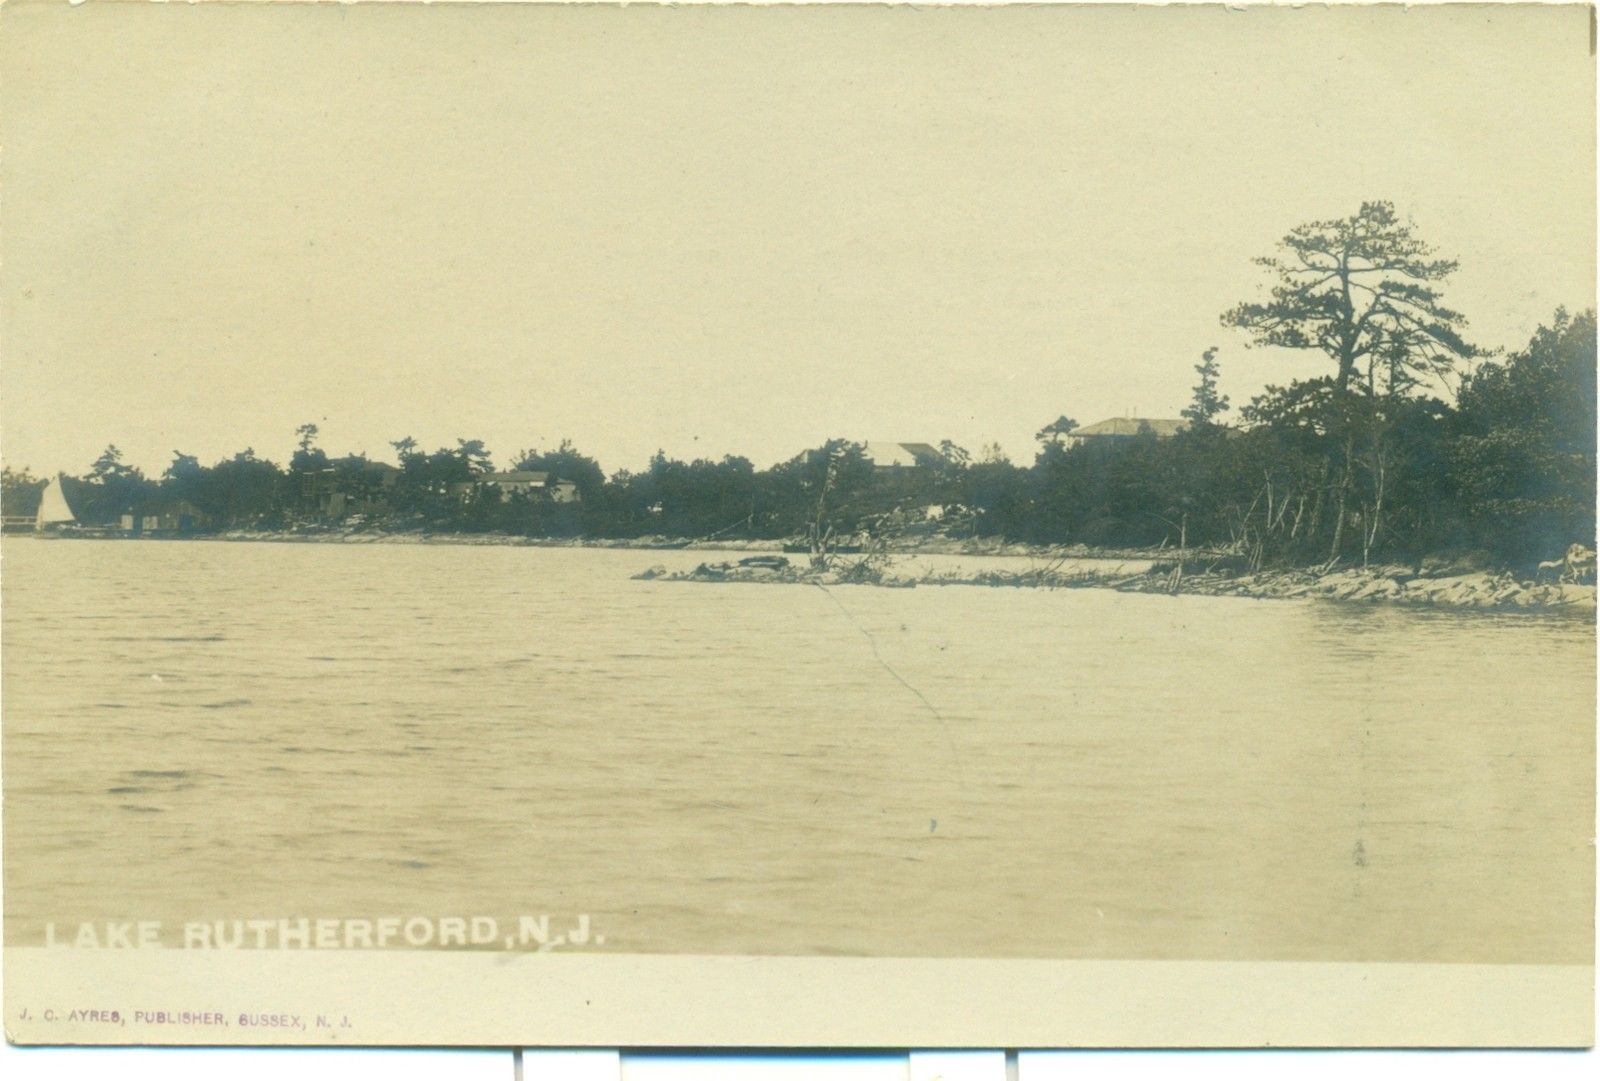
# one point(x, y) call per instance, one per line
point(944, 725)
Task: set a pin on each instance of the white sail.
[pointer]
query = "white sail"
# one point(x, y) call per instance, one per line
point(53, 506)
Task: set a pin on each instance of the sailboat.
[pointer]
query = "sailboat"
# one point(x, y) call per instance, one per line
point(54, 510)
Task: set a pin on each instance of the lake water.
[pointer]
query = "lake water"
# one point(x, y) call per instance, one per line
point(198, 731)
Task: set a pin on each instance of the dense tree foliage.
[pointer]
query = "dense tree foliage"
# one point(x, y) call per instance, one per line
point(19, 492)
point(1521, 465)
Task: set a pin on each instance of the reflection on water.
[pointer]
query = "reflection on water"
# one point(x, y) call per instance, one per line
point(211, 730)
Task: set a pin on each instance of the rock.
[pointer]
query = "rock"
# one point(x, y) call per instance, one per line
point(1457, 585)
point(1506, 594)
point(1377, 589)
point(1343, 586)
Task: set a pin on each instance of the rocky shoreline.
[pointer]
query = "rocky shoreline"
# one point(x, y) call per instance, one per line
point(1396, 585)
point(1446, 586)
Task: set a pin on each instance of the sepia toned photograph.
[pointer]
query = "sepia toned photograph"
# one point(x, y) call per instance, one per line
point(817, 525)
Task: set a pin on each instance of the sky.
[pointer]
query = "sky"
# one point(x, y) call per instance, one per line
point(728, 230)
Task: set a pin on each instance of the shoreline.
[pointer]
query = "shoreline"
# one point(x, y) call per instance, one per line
point(935, 545)
point(1477, 590)
point(1442, 586)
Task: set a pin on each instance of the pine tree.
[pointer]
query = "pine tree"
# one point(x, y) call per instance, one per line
point(1207, 404)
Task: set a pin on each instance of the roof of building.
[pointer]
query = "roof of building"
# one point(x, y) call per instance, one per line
point(1160, 426)
point(885, 454)
point(362, 461)
point(515, 476)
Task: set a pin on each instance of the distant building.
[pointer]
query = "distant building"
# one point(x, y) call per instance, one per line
point(346, 484)
point(380, 475)
point(1118, 429)
point(899, 457)
point(524, 482)
point(318, 487)
point(172, 516)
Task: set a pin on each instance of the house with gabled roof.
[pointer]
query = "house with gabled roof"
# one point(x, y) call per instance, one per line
point(1118, 429)
point(886, 456)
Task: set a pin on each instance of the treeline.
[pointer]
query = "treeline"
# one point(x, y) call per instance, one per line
point(1413, 441)
point(440, 491)
point(1308, 476)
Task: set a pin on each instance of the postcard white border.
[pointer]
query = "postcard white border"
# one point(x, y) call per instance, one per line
point(412, 998)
